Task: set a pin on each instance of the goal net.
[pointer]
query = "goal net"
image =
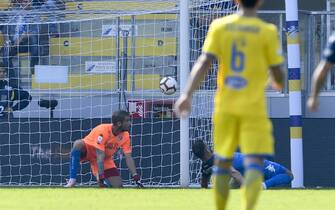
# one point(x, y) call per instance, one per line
point(82, 60)
point(201, 15)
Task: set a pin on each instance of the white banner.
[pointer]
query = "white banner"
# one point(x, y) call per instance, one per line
point(100, 67)
point(51, 74)
point(111, 30)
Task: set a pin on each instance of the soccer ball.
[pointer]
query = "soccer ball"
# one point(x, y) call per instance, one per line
point(168, 85)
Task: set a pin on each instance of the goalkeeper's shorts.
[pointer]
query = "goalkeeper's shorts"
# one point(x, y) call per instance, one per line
point(109, 165)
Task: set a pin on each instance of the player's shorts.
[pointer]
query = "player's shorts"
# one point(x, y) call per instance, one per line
point(111, 172)
point(109, 165)
point(252, 134)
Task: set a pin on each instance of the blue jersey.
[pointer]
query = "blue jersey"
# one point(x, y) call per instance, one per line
point(238, 162)
point(329, 52)
point(270, 169)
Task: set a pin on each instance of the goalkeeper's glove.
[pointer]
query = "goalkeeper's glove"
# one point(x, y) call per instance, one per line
point(137, 180)
point(204, 182)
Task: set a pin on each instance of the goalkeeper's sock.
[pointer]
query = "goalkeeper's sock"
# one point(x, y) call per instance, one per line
point(74, 163)
point(221, 189)
point(280, 179)
point(252, 186)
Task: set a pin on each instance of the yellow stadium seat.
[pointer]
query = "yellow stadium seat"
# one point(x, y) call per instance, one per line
point(4, 4)
point(2, 40)
point(121, 6)
point(95, 46)
point(87, 81)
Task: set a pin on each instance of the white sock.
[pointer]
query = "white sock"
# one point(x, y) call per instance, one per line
point(72, 180)
point(264, 186)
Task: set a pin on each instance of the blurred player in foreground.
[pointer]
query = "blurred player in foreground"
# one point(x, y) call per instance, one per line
point(246, 48)
point(275, 175)
point(320, 73)
point(99, 146)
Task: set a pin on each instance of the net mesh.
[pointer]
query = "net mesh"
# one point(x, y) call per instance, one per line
point(202, 14)
point(80, 61)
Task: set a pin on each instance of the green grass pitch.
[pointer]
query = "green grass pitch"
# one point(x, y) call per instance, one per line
point(155, 199)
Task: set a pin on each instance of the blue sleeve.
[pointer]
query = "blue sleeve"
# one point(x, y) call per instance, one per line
point(329, 52)
point(4, 101)
point(23, 99)
point(238, 162)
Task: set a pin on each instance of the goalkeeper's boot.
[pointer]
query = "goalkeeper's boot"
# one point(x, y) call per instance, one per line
point(70, 183)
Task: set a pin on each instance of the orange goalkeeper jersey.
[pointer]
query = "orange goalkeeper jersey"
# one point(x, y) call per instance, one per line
point(102, 138)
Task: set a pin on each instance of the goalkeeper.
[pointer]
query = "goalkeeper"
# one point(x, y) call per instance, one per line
point(99, 146)
point(275, 175)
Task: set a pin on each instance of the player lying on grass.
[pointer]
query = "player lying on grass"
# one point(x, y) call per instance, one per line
point(274, 174)
point(99, 146)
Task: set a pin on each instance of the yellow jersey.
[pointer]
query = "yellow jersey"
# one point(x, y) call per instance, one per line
point(245, 47)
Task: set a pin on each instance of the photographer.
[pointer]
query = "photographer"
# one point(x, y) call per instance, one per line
point(12, 98)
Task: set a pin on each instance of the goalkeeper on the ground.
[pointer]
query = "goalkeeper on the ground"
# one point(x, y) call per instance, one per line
point(275, 175)
point(99, 146)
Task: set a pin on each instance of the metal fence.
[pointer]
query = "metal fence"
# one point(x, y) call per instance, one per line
point(315, 27)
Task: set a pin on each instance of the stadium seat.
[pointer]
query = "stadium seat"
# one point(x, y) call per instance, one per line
point(4, 4)
point(97, 46)
point(155, 49)
point(119, 5)
point(99, 82)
